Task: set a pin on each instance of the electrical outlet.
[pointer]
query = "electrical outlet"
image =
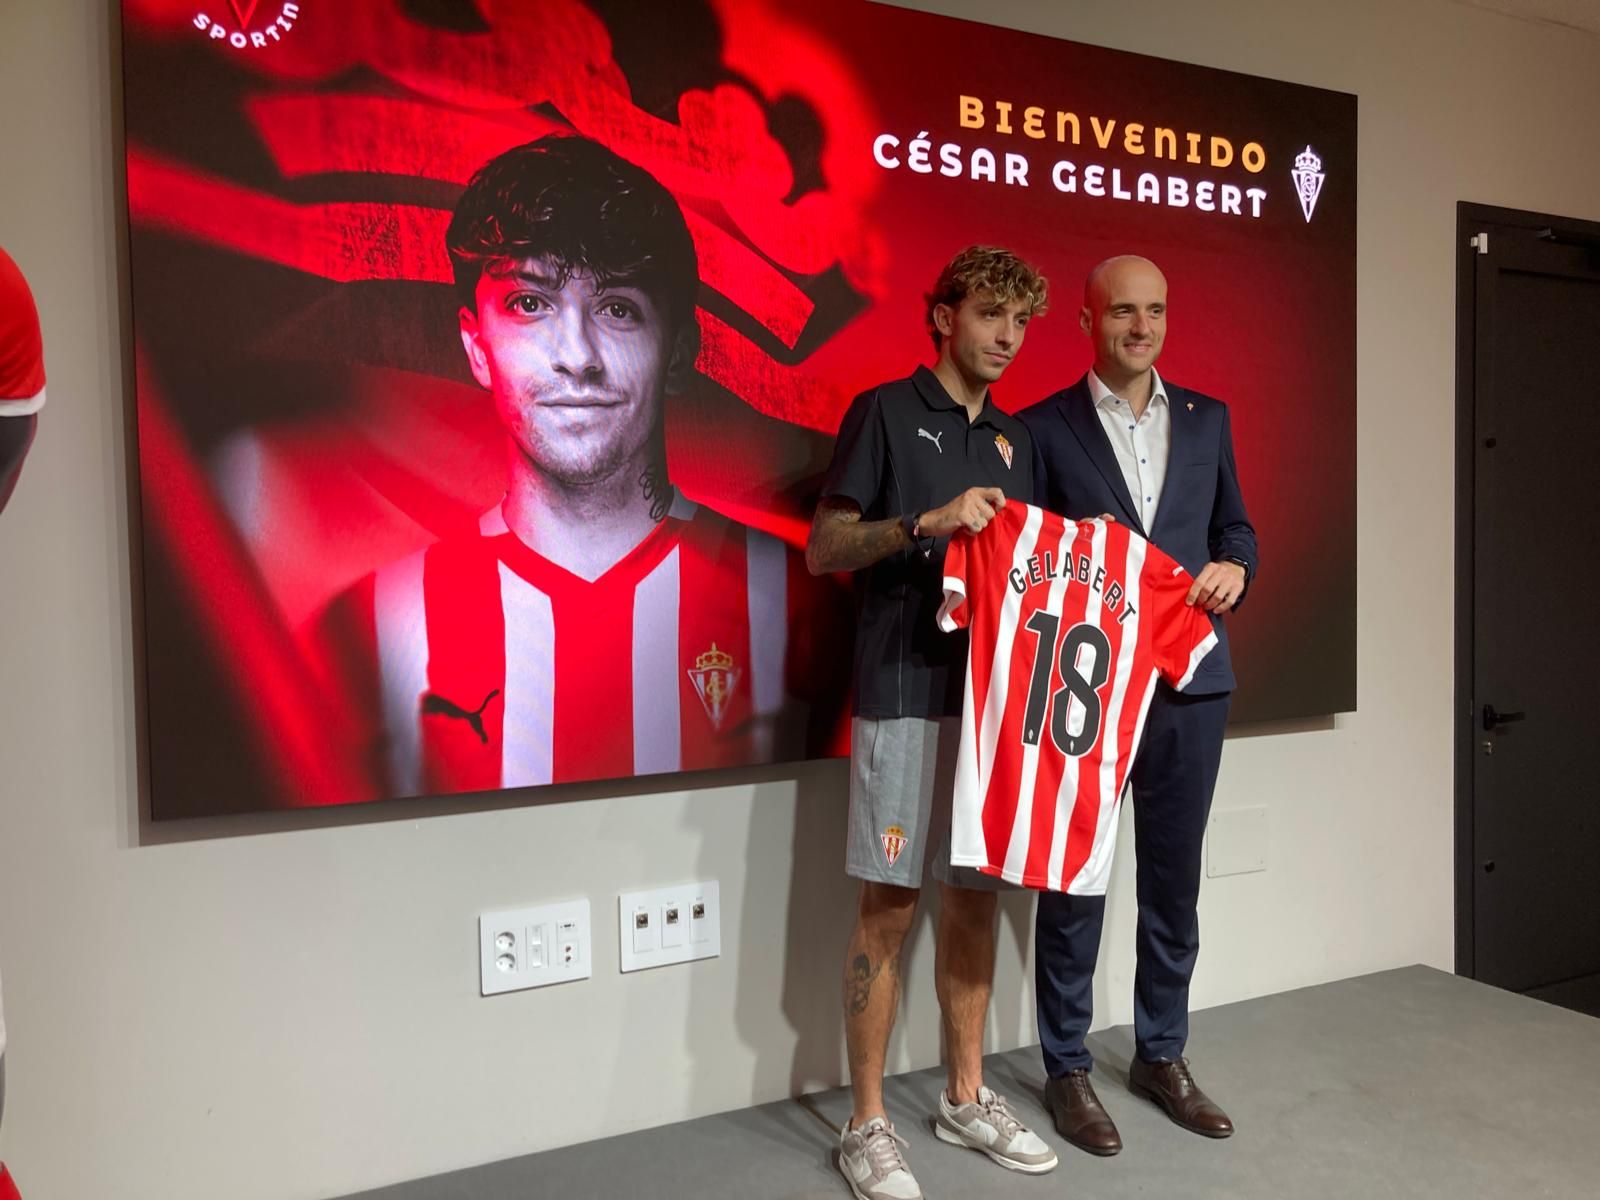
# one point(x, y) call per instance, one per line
point(669, 925)
point(533, 947)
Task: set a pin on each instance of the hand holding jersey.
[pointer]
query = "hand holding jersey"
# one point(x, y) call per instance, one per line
point(971, 510)
point(1218, 586)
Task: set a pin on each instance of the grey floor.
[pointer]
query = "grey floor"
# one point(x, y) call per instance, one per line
point(1409, 1083)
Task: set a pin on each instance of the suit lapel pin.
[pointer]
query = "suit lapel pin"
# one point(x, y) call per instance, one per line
point(1190, 406)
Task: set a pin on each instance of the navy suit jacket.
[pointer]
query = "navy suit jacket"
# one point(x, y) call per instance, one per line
point(1201, 517)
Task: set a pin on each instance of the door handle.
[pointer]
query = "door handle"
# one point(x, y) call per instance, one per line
point(1491, 719)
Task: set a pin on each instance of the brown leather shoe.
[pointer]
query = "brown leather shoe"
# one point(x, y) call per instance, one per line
point(1171, 1086)
point(1078, 1115)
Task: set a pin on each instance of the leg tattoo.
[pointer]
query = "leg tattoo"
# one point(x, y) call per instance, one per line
point(858, 983)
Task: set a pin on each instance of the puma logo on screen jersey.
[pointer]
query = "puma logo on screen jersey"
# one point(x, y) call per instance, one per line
point(932, 437)
point(436, 705)
point(1072, 623)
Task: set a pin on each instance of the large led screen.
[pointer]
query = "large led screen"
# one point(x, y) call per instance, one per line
point(370, 573)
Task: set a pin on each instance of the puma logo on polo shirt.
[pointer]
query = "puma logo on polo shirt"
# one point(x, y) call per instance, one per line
point(934, 438)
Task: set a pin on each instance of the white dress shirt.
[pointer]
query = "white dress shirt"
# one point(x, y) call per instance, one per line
point(1142, 446)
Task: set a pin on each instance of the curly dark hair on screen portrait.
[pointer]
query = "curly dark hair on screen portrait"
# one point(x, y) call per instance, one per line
point(580, 207)
point(991, 271)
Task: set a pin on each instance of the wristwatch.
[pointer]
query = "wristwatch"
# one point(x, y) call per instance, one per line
point(1238, 562)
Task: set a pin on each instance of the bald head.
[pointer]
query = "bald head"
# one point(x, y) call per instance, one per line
point(1125, 316)
point(1122, 270)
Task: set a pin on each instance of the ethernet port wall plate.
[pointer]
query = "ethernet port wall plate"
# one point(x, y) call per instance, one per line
point(663, 926)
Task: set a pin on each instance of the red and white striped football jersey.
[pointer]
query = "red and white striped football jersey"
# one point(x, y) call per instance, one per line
point(476, 664)
point(1071, 624)
point(21, 351)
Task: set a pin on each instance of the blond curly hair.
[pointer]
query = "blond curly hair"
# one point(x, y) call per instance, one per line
point(987, 270)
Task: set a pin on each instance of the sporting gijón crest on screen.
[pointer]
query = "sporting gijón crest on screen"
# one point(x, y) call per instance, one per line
point(249, 24)
point(1071, 625)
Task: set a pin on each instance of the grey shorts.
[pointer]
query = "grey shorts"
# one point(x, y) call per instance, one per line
point(902, 777)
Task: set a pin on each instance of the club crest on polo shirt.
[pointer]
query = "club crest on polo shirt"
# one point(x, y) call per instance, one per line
point(1002, 445)
point(894, 841)
point(714, 676)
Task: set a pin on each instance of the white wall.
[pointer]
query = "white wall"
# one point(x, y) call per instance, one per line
point(292, 1013)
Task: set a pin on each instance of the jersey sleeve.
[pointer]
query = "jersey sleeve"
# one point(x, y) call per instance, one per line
point(856, 470)
point(21, 349)
point(955, 613)
point(1183, 632)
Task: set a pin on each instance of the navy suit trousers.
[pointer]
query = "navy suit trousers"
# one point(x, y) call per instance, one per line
point(1172, 781)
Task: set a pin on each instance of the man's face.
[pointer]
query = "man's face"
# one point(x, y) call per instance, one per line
point(982, 335)
point(577, 371)
point(1125, 316)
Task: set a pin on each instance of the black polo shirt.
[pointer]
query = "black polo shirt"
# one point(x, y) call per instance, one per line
point(907, 447)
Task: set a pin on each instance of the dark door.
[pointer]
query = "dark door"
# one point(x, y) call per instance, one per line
point(1529, 729)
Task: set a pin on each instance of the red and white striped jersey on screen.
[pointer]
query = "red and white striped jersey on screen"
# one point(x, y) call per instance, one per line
point(21, 351)
point(1071, 625)
point(477, 664)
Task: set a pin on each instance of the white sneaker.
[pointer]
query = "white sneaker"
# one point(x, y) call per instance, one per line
point(870, 1161)
point(989, 1126)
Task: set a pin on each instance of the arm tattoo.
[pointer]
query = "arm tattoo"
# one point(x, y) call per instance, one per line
point(858, 981)
point(841, 541)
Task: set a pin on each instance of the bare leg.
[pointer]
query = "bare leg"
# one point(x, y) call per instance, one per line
point(964, 975)
point(872, 989)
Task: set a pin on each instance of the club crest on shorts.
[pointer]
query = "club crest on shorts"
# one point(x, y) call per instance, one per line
point(1002, 445)
point(714, 677)
point(894, 841)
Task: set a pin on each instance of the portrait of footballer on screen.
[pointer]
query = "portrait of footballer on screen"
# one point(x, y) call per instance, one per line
point(598, 623)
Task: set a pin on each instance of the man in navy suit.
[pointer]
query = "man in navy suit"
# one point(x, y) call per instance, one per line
point(1124, 443)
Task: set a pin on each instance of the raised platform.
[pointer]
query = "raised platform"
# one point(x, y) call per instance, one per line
point(1409, 1083)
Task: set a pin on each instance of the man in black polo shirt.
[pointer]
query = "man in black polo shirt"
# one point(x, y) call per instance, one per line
point(916, 460)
